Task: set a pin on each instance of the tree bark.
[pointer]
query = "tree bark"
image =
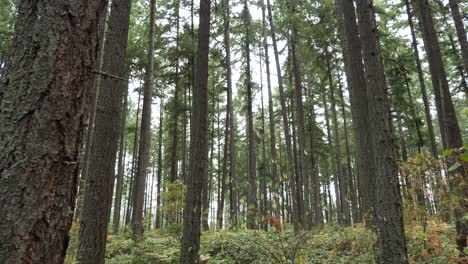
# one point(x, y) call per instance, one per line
point(422, 82)
point(158, 217)
point(351, 47)
point(343, 182)
point(121, 164)
point(391, 234)
point(43, 94)
point(252, 159)
point(198, 143)
point(97, 198)
point(145, 135)
point(461, 33)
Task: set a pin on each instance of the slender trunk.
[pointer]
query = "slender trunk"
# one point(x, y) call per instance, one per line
point(158, 219)
point(145, 135)
point(302, 139)
point(43, 96)
point(351, 183)
point(271, 116)
point(391, 234)
point(220, 212)
point(134, 161)
point(176, 110)
point(198, 143)
point(252, 156)
point(413, 110)
point(422, 82)
point(287, 134)
point(264, 168)
point(121, 164)
point(232, 132)
point(461, 33)
point(343, 182)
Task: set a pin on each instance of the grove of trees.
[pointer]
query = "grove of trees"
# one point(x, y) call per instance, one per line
point(122, 118)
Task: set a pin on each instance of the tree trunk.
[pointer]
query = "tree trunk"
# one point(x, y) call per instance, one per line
point(93, 222)
point(351, 47)
point(271, 116)
point(198, 143)
point(41, 112)
point(252, 158)
point(392, 242)
point(134, 161)
point(287, 134)
point(461, 33)
point(351, 187)
point(422, 82)
point(175, 118)
point(145, 135)
point(232, 133)
point(343, 182)
point(158, 220)
point(121, 163)
point(302, 139)
point(90, 114)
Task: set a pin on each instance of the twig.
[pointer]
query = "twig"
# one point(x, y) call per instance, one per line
point(108, 75)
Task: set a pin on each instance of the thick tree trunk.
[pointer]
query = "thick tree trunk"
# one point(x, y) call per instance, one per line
point(422, 81)
point(287, 134)
point(121, 164)
point(392, 241)
point(145, 135)
point(93, 222)
point(43, 94)
point(198, 143)
point(354, 68)
point(461, 33)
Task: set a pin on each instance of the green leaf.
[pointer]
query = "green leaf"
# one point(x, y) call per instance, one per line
point(447, 153)
point(454, 167)
point(464, 157)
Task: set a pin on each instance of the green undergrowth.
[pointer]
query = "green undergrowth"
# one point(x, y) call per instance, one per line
point(330, 244)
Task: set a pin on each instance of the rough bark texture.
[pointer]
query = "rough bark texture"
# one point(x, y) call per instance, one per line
point(287, 133)
point(354, 68)
point(461, 33)
point(97, 198)
point(198, 162)
point(43, 92)
point(389, 215)
point(145, 135)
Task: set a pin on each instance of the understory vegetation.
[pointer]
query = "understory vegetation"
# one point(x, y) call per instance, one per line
point(432, 243)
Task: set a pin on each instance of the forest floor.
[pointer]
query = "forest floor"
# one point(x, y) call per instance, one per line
point(330, 244)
